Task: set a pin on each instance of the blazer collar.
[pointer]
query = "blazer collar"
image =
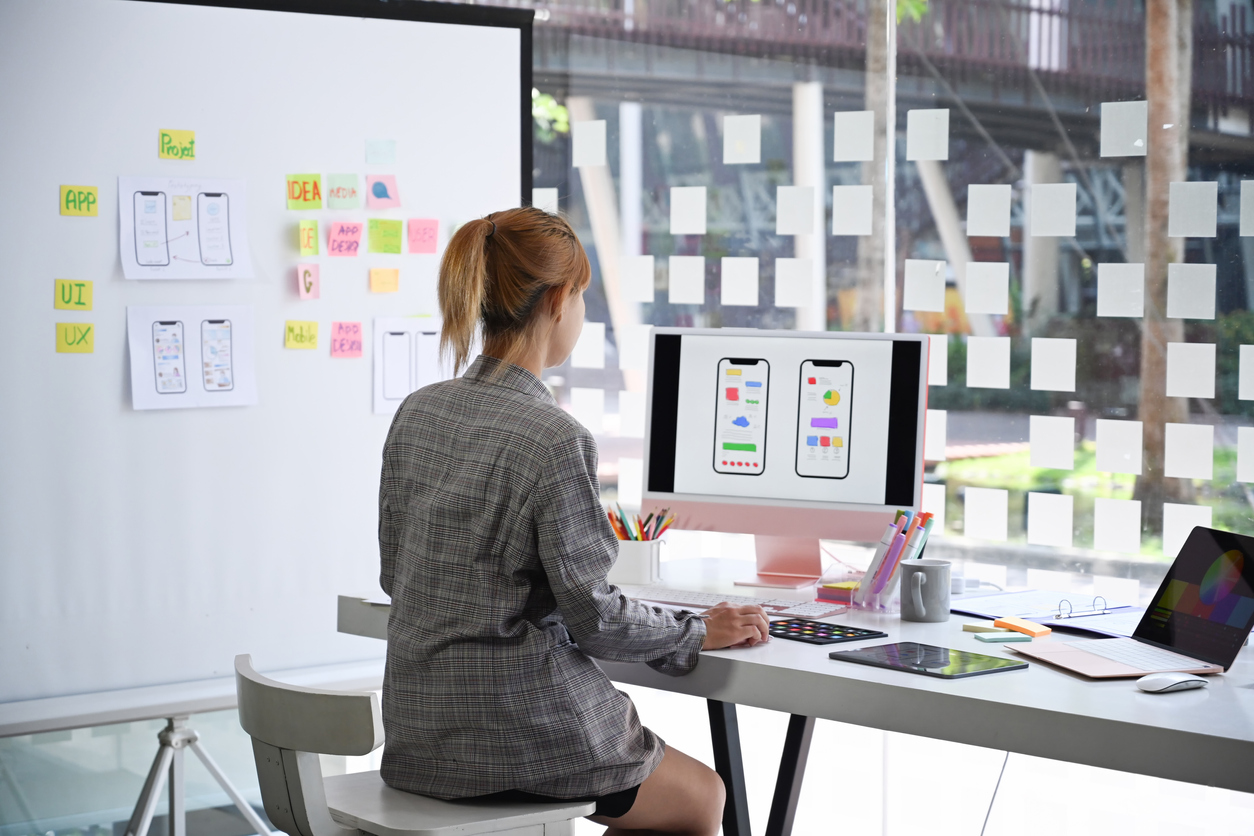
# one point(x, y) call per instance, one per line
point(494, 372)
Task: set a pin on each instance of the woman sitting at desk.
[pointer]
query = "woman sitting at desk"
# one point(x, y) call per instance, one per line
point(495, 550)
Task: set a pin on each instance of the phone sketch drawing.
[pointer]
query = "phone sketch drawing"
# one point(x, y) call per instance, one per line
point(213, 228)
point(152, 246)
point(169, 358)
point(824, 410)
point(396, 362)
point(740, 416)
point(215, 355)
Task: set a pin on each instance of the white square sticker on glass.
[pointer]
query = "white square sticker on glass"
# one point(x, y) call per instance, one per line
point(934, 504)
point(794, 210)
point(1191, 291)
point(587, 143)
point(1052, 212)
point(1119, 446)
point(588, 407)
point(938, 360)
point(687, 280)
point(1051, 442)
point(1190, 370)
point(1053, 364)
point(794, 282)
point(1245, 454)
point(851, 210)
point(740, 281)
point(854, 136)
point(927, 134)
point(988, 362)
point(1117, 525)
point(545, 199)
point(935, 429)
point(1245, 373)
point(988, 287)
point(1246, 227)
point(1192, 210)
point(1121, 290)
point(742, 140)
point(635, 275)
point(988, 210)
point(633, 346)
point(1189, 451)
point(1179, 522)
point(631, 414)
point(1050, 519)
point(688, 210)
point(924, 286)
point(630, 482)
point(984, 513)
point(1125, 129)
point(589, 350)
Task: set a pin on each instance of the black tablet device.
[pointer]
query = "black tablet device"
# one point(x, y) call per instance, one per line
point(927, 659)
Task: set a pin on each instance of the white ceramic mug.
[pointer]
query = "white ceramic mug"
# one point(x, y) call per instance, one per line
point(925, 590)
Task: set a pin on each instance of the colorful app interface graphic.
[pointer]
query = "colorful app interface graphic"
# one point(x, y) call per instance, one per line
point(152, 247)
point(215, 354)
point(740, 417)
point(169, 357)
point(213, 221)
point(825, 400)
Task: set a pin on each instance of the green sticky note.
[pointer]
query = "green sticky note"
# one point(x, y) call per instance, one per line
point(304, 191)
point(342, 191)
point(385, 236)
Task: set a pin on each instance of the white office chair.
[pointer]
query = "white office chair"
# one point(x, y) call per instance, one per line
point(290, 726)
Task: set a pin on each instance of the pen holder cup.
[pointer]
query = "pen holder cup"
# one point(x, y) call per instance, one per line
point(639, 562)
point(886, 602)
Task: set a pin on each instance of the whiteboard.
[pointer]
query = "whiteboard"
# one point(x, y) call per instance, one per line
point(146, 547)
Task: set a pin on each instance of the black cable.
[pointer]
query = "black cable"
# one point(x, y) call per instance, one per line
point(995, 789)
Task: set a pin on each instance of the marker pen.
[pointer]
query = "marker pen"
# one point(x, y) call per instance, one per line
point(864, 588)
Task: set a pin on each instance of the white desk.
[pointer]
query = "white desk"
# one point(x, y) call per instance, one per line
point(1204, 736)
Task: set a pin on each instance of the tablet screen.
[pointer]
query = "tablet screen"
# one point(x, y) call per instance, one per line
point(927, 659)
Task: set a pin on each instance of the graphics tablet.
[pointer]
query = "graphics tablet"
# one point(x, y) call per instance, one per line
point(927, 659)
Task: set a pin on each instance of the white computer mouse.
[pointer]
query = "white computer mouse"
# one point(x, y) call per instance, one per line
point(1162, 683)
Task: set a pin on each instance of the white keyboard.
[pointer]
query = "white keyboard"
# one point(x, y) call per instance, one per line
point(1141, 656)
point(704, 600)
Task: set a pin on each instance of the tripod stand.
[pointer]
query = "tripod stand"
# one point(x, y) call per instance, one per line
point(168, 764)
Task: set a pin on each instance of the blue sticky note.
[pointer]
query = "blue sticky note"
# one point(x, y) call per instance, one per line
point(812, 441)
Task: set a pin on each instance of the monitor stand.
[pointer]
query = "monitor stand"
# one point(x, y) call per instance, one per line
point(785, 562)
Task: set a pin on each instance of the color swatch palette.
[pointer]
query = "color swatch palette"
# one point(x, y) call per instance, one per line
point(817, 632)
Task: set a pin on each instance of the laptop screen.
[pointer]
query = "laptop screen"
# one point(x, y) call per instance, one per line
point(1205, 606)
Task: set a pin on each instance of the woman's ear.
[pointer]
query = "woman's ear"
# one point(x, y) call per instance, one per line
point(554, 303)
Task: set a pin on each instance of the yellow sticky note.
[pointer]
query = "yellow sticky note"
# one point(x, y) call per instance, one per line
point(79, 200)
point(385, 235)
point(176, 145)
point(76, 338)
point(72, 295)
point(308, 237)
point(181, 204)
point(385, 280)
point(304, 191)
point(301, 334)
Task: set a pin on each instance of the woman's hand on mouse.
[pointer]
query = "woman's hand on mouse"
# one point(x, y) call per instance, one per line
point(728, 626)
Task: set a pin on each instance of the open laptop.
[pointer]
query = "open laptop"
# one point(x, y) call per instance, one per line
point(1197, 622)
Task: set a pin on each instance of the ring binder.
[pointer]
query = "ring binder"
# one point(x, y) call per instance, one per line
point(1071, 612)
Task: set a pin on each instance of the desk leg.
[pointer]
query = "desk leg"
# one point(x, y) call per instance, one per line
point(792, 768)
point(725, 735)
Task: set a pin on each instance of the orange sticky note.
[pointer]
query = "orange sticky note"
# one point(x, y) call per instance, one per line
point(1022, 625)
point(385, 279)
point(345, 339)
point(422, 235)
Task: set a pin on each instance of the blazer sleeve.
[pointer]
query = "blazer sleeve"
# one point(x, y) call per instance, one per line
point(577, 548)
point(389, 538)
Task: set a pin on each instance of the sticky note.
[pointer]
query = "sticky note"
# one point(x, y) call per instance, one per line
point(385, 235)
point(854, 136)
point(794, 210)
point(304, 191)
point(1189, 451)
point(176, 145)
point(1052, 211)
point(1053, 364)
point(423, 235)
point(588, 143)
point(1051, 442)
point(742, 140)
point(589, 350)
point(988, 362)
point(1245, 454)
point(688, 210)
point(1117, 525)
point(1190, 370)
point(1191, 291)
point(385, 280)
point(308, 237)
point(307, 284)
point(380, 151)
point(1125, 129)
point(740, 281)
point(1245, 373)
point(988, 287)
point(381, 191)
point(1246, 227)
point(343, 191)
point(588, 407)
point(984, 514)
point(924, 286)
point(988, 210)
point(1192, 210)
point(934, 504)
point(1022, 625)
point(852, 210)
point(1119, 446)
point(686, 282)
point(635, 277)
point(72, 295)
point(181, 207)
point(346, 338)
point(76, 338)
point(545, 199)
point(631, 414)
point(633, 346)
point(985, 627)
point(938, 360)
point(300, 334)
point(1050, 519)
point(935, 430)
point(630, 481)
point(794, 282)
point(344, 238)
point(927, 134)
point(80, 201)
point(1121, 290)
point(1179, 522)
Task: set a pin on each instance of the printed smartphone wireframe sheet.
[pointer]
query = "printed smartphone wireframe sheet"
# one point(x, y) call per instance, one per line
point(740, 416)
point(824, 407)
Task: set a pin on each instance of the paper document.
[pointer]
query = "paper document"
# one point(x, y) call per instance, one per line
point(183, 228)
point(186, 356)
point(1120, 623)
point(1035, 604)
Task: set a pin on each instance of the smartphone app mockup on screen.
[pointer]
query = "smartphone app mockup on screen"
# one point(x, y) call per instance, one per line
point(215, 354)
point(824, 406)
point(169, 357)
point(213, 228)
point(152, 246)
point(740, 416)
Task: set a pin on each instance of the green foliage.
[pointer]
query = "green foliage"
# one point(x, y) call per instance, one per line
point(1235, 330)
point(912, 10)
point(550, 117)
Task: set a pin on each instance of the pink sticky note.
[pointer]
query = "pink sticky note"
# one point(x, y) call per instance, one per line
point(381, 191)
point(344, 238)
point(345, 339)
point(307, 281)
point(422, 235)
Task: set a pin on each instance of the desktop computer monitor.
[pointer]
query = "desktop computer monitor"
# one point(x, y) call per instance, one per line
point(791, 436)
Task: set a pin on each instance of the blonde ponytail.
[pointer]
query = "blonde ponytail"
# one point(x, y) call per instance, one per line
point(462, 287)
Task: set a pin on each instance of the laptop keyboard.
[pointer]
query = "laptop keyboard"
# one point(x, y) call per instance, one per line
point(705, 600)
point(1138, 655)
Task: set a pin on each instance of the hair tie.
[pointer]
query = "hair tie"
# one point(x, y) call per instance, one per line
point(493, 232)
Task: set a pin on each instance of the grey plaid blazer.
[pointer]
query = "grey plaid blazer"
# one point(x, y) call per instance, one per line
point(494, 548)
